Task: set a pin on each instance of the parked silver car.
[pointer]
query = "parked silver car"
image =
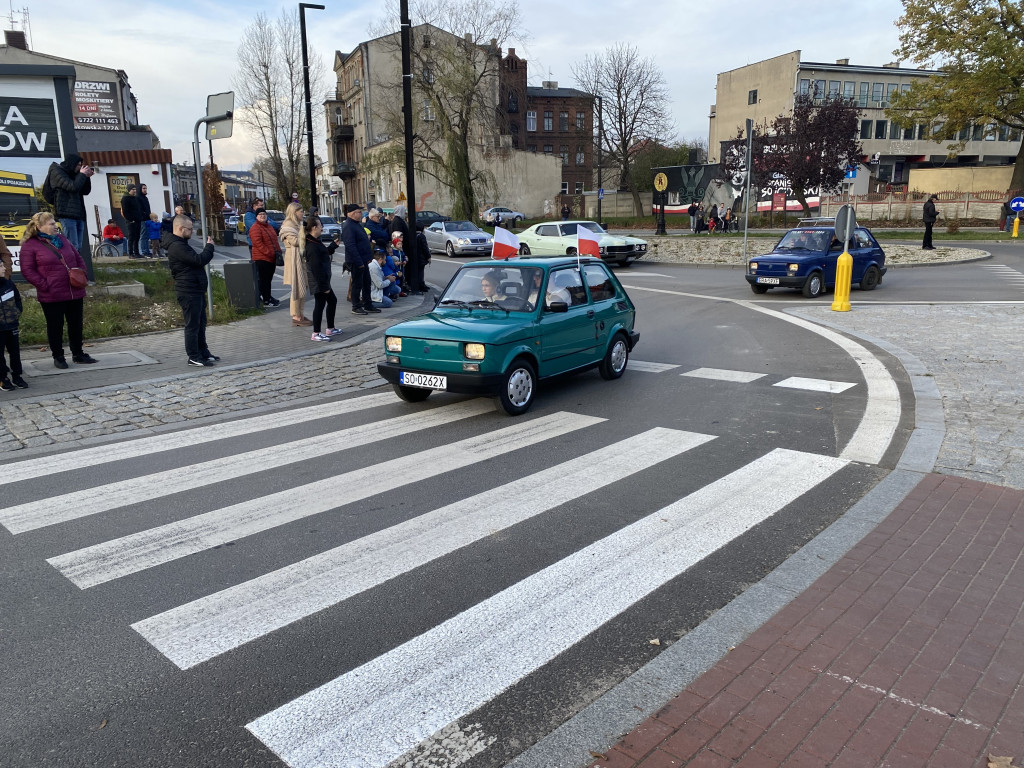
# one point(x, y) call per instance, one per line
point(508, 216)
point(458, 238)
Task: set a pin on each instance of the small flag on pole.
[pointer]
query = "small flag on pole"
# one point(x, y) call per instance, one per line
point(505, 244)
point(586, 244)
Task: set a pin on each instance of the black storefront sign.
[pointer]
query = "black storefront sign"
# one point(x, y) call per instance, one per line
point(28, 128)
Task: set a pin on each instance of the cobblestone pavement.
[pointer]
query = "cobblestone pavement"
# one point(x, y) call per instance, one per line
point(973, 353)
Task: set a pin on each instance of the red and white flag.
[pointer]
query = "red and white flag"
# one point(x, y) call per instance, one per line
point(586, 243)
point(505, 245)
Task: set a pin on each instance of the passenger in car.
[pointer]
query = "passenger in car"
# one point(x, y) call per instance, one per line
point(535, 283)
point(489, 284)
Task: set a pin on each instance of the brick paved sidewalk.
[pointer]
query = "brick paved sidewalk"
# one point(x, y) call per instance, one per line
point(908, 652)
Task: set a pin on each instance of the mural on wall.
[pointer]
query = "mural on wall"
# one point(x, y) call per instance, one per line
point(707, 184)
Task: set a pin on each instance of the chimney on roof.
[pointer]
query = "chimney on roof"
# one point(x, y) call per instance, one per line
point(843, 62)
point(511, 51)
point(468, 37)
point(15, 39)
point(891, 65)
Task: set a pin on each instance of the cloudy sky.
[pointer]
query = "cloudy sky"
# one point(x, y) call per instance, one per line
point(175, 54)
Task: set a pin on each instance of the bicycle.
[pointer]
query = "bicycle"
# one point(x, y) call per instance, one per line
point(102, 250)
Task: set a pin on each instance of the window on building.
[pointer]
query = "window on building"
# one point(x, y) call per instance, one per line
point(1004, 133)
point(565, 187)
point(890, 89)
point(581, 157)
point(862, 99)
point(990, 133)
point(877, 90)
point(978, 134)
point(866, 127)
point(908, 134)
point(819, 89)
point(1014, 134)
point(805, 87)
point(428, 111)
point(513, 101)
point(905, 87)
point(579, 187)
point(848, 88)
point(549, 149)
point(581, 121)
point(531, 147)
point(752, 96)
point(885, 173)
point(549, 121)
point(515, 135)
point(428, 75)
point(922, 132)
point(531, 121)
point(563, 121)
point(880, 126)
point(564, 152)
point(894, 130)
point(833, 88)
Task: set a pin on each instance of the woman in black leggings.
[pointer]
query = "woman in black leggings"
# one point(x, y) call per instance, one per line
point(317, 257)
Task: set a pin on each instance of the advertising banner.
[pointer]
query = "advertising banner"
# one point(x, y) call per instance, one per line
point(95, 106)
point(117, 187)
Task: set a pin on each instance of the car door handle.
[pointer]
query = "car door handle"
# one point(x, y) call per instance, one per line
point(590, 313)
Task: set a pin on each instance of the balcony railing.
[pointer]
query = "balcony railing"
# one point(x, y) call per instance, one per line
point(343, 132)
point(345, 170)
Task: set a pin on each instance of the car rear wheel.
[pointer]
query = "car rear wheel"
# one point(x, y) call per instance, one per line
point(412, 394)
point(758, 289)
point(571, 252)
point(450, 249)
point(524, 250)
point(814, 285)
point(872, 277)
point(615, 359)
point(517, 219)
point(518, 387)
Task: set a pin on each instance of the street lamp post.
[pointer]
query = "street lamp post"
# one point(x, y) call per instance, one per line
point(600, 162)
point(309, 105)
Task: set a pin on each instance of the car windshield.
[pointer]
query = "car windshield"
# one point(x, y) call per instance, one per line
point(805, 240)
point(488, 286)
point(460, 226)
point(570, 229)
point(275, 215)
point(326, 220)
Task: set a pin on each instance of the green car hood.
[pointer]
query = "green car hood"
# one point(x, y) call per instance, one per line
point(481, 325)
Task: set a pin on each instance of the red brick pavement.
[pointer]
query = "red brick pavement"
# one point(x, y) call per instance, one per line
point(908, 652)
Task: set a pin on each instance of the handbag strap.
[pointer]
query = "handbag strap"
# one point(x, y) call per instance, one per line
point(59, 255)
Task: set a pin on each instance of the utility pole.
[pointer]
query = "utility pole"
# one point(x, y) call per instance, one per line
point(600, 161)
point(309, 104)
point(410, 170)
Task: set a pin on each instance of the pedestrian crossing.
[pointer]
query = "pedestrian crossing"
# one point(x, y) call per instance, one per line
point(1006, 273)
point(379, 711)
point(745, 377)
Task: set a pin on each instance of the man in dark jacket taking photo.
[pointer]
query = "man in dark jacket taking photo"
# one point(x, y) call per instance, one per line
point(189, 271)
point(71, 181)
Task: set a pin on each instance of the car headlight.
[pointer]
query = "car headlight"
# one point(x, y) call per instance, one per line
point(792, 267)
point(641, 246)
point(474, 351)
point(462, 241)
point(753, 266)
point(393, 343)
point(601, 250)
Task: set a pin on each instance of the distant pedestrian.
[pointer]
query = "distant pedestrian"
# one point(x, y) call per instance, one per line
point(294, 270)
point(1007, 216)
point(930, 217)
point(47, 258)
point(71, 181)
point(112, 234)
point(692, 210)
point(416, 255)
point(358, 255)
point(153, 234)
point(566, 212)
point(188, 269)
point(264, 256)
point(317, 259)
point(378, 283)
point(145, 211)
point(131, 211)
point(10, 312)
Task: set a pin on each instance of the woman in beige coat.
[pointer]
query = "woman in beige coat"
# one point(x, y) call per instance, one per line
point(294, 268)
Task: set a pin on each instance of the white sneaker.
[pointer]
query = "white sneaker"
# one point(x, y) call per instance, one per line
point(319, 337)
point(332, 331)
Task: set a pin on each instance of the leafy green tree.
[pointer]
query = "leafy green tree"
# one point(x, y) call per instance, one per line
point(977, 45)
point(656, 155)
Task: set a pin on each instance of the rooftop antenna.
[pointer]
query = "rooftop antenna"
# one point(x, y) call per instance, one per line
point(25, 21)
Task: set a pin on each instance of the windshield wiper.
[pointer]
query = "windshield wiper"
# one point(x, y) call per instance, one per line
point(486, 304)
point(455, 303)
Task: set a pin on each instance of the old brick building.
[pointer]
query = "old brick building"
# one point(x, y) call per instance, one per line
point(555, 121)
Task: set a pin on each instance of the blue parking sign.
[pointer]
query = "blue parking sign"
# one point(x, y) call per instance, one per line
point(1017, 204)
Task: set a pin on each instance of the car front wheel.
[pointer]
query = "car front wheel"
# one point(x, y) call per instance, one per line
point(615, 359)
point(450, 249)
point(412, 394)
point(524, 250)
point(758, 289)
point(518, 387)
point(872, 277)
point(814, 285)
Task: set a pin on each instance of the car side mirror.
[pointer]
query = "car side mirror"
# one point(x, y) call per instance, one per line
point(557, 306)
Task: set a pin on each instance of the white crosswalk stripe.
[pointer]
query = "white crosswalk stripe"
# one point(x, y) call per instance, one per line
point(814, 385)
point(205, 628)
point(92, 501)
point(137, 552)
point(721, 374)
point(376, 713)
point(647, 367)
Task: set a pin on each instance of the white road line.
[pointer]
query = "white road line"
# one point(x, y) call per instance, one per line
point(200, 630)
point(130, 554)
point(642, 365)
point(381, 710)
point(92, 501)
point(721, 374)
point(90, 457)
point(815, 385)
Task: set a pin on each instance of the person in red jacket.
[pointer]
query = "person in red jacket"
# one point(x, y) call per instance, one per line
point(112, 234)
point(46, 258)
point(264, 254)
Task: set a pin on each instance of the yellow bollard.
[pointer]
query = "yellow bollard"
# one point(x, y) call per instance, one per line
point(844, 276)
point(1016, 225)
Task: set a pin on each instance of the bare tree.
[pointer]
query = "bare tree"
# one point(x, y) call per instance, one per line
point(455, 94)
point(634, 106)
point(269, 88)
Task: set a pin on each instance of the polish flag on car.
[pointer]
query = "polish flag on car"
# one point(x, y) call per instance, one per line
point(505, 245)
point(587, 244)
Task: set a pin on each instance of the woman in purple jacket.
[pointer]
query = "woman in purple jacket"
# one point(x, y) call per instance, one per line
point(46, 258)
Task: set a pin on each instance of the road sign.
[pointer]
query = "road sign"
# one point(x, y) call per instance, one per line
point(851, 172)
point(846, 222)
point(218, 104)
point(1017, 204)
point(661, 182)
point(600, 193)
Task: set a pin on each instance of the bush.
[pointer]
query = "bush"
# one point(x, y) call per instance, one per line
point(953, 226)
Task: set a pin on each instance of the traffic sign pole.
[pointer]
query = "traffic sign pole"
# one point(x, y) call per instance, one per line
point(1017, 204)
point(846, 222)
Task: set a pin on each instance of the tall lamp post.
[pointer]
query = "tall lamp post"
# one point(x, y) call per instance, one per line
point(309, 105)
point(600, 162)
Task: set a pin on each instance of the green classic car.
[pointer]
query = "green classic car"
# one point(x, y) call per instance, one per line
point(500, 327)
point(558, 238)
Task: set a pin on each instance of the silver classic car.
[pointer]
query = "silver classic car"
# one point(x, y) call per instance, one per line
point(458, 238)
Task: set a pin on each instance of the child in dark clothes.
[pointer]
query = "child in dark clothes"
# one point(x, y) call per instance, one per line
point(10, 313)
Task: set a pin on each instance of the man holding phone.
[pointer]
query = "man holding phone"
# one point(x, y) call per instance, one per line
point(71, 181)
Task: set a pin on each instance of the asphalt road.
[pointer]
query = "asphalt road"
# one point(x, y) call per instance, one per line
point(477, 578)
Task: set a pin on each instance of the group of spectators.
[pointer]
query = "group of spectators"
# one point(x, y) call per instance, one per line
point(715, 220)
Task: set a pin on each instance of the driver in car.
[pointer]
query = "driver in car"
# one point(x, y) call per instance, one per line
point(489, 286)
